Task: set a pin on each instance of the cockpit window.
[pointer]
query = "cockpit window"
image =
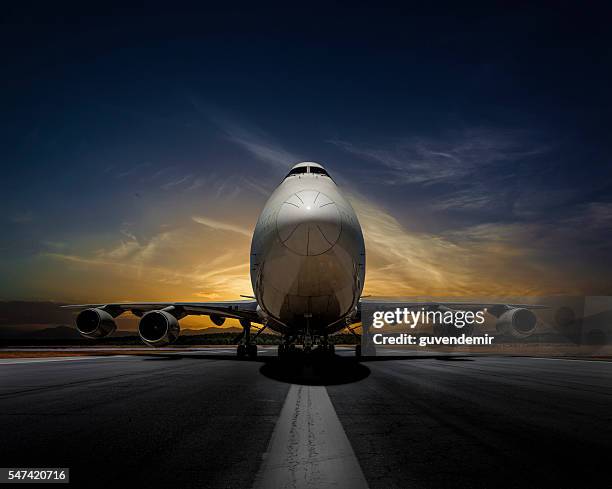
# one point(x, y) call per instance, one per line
point(299, 169)
point(307, 169)
point(320, 171)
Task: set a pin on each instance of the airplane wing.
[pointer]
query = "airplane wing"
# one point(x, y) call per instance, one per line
point(159, 325)
point(239, 309)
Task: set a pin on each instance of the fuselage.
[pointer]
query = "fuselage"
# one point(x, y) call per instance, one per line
point(307, 254)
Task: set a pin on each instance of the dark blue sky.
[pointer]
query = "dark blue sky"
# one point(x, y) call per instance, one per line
point(463, 124)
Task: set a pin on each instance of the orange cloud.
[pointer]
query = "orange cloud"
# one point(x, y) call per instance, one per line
point(206, 259)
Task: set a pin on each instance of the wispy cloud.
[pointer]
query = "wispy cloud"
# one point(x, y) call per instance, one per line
point(179, 181)
point(260, 147)
point(475, 174)
point(448, 158)
point(250, 138)
point(262, 188)
point(221, 226)
point(133, 170)
point(199, 259)
point(464, 200)
point(196, 184)
point(161, 172)
point(184, 263)
point(484, 259)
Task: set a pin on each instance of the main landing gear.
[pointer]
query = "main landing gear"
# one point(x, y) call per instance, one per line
point(244, 351)
point(315, 347)
point(246, 348)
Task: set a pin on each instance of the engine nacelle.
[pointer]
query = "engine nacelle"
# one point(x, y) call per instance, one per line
point(218, 320)
point(95, 323)
point(158, 328)
point(517, 323)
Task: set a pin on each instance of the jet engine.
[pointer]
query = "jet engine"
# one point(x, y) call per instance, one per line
point(95, 323)
point(517, 323)
point(158, 328)
point(218, 320)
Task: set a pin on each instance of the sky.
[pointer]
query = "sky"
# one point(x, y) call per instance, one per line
point(139, 145)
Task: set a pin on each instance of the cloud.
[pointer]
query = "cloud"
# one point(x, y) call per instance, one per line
point(449, 158)
point(261, 148)
point(592, 217)
point(177, 182)
point(252, 139)
point(132, 171)
point(464, 178)
point(161, 172)
point(466, 200)
point(221, 226)
point(262, 188)
point(196, 184)
point(201, 259)
point(520, 251)
point(491, 259)
point(190, 261)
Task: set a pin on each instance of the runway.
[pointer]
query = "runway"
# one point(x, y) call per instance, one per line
point(204, 419)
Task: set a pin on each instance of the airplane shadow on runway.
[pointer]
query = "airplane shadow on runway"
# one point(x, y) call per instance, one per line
point(334, 370)
point(304, 371)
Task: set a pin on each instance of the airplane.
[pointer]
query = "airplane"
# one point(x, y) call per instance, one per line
point(307, 267)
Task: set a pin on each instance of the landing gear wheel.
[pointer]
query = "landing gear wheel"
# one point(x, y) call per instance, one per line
point(326, 350)
point(282, 351)
point(358, 351)
point(252, 351)
point(241, 351)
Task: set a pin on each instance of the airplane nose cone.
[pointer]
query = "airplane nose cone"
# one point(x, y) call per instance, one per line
point(309, 223)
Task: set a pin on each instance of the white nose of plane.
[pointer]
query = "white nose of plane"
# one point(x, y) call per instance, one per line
point(309, 223)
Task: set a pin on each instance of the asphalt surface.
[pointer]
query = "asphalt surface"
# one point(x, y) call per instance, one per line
point(205, 419)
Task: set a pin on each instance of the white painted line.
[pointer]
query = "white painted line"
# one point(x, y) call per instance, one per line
point(569, 359)
point(309, 448)
point(19, 361)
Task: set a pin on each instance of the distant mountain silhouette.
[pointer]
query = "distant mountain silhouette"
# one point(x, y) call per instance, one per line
point(61, 332)
point(34, 312)
point(210, 330)
point(58, 332)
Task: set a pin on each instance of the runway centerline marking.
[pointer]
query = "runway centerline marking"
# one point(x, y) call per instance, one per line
point(309, 448)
